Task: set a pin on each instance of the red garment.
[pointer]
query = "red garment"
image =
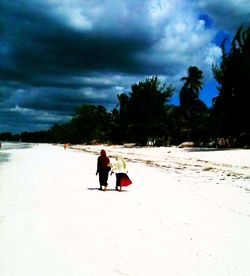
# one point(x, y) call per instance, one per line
point(103, 160)
point(125, 181)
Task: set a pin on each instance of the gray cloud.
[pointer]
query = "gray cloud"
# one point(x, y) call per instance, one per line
point(227, 15)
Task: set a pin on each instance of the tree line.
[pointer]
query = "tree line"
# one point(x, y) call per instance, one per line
point(145, 114)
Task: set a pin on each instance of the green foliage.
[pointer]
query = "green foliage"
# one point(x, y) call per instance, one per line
point(90, 123)
point(231, 106)
point(189, 93)
point(8, 136)
point(115, 132)
point(143, 115)
point(142, 112)
point(193, 117)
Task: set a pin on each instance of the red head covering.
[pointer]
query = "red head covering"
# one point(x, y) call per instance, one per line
point(104, 160)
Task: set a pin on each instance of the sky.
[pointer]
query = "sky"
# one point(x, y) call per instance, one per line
point(56, 55)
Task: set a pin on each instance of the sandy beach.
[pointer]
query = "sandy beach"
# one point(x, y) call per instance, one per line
point(186, 213)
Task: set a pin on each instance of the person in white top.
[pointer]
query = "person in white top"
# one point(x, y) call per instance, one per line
point(119, 167)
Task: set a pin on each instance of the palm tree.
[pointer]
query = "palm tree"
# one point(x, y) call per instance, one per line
point(193, 84)
point(192, 107)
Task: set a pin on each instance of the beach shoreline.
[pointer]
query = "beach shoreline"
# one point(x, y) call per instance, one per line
point(186, 213)
point(232, 162)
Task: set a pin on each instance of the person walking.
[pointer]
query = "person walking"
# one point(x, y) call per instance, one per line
point(119, 167)
point(103, 168)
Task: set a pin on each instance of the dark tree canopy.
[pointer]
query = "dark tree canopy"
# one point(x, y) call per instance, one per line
point(192, 85)
point(232, 105)
point(194, 111)
point(90, 123)
point(142, 112)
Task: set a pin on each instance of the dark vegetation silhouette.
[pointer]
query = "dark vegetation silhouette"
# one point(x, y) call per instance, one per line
point(145, 116)
point(231, 106)
point(194, 112)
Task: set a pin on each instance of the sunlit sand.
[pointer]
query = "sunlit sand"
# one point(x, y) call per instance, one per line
point(186, 213)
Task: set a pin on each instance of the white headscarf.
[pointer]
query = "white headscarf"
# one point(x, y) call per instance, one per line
point(119, 166)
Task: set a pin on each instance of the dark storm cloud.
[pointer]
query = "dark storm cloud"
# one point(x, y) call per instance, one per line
point(19, 120)
point(37, 44)
point(57, 100)
point(52, 62)
point(227, 15)
point(56, 55)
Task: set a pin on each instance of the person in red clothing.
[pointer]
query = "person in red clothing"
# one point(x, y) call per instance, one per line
point(103, 168)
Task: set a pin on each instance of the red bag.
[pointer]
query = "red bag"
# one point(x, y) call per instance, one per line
point(125, 181)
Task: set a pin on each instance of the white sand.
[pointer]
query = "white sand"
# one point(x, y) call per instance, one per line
point(186, 213)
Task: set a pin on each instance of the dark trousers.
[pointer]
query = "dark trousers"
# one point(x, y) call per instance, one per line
point(103, 177)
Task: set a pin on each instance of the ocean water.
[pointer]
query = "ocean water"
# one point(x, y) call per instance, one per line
point(6, 148)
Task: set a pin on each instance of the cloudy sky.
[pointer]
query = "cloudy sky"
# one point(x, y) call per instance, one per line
point(58, 54)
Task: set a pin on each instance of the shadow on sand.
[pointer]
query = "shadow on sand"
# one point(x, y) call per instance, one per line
point(108, 190)
point(4, 157)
